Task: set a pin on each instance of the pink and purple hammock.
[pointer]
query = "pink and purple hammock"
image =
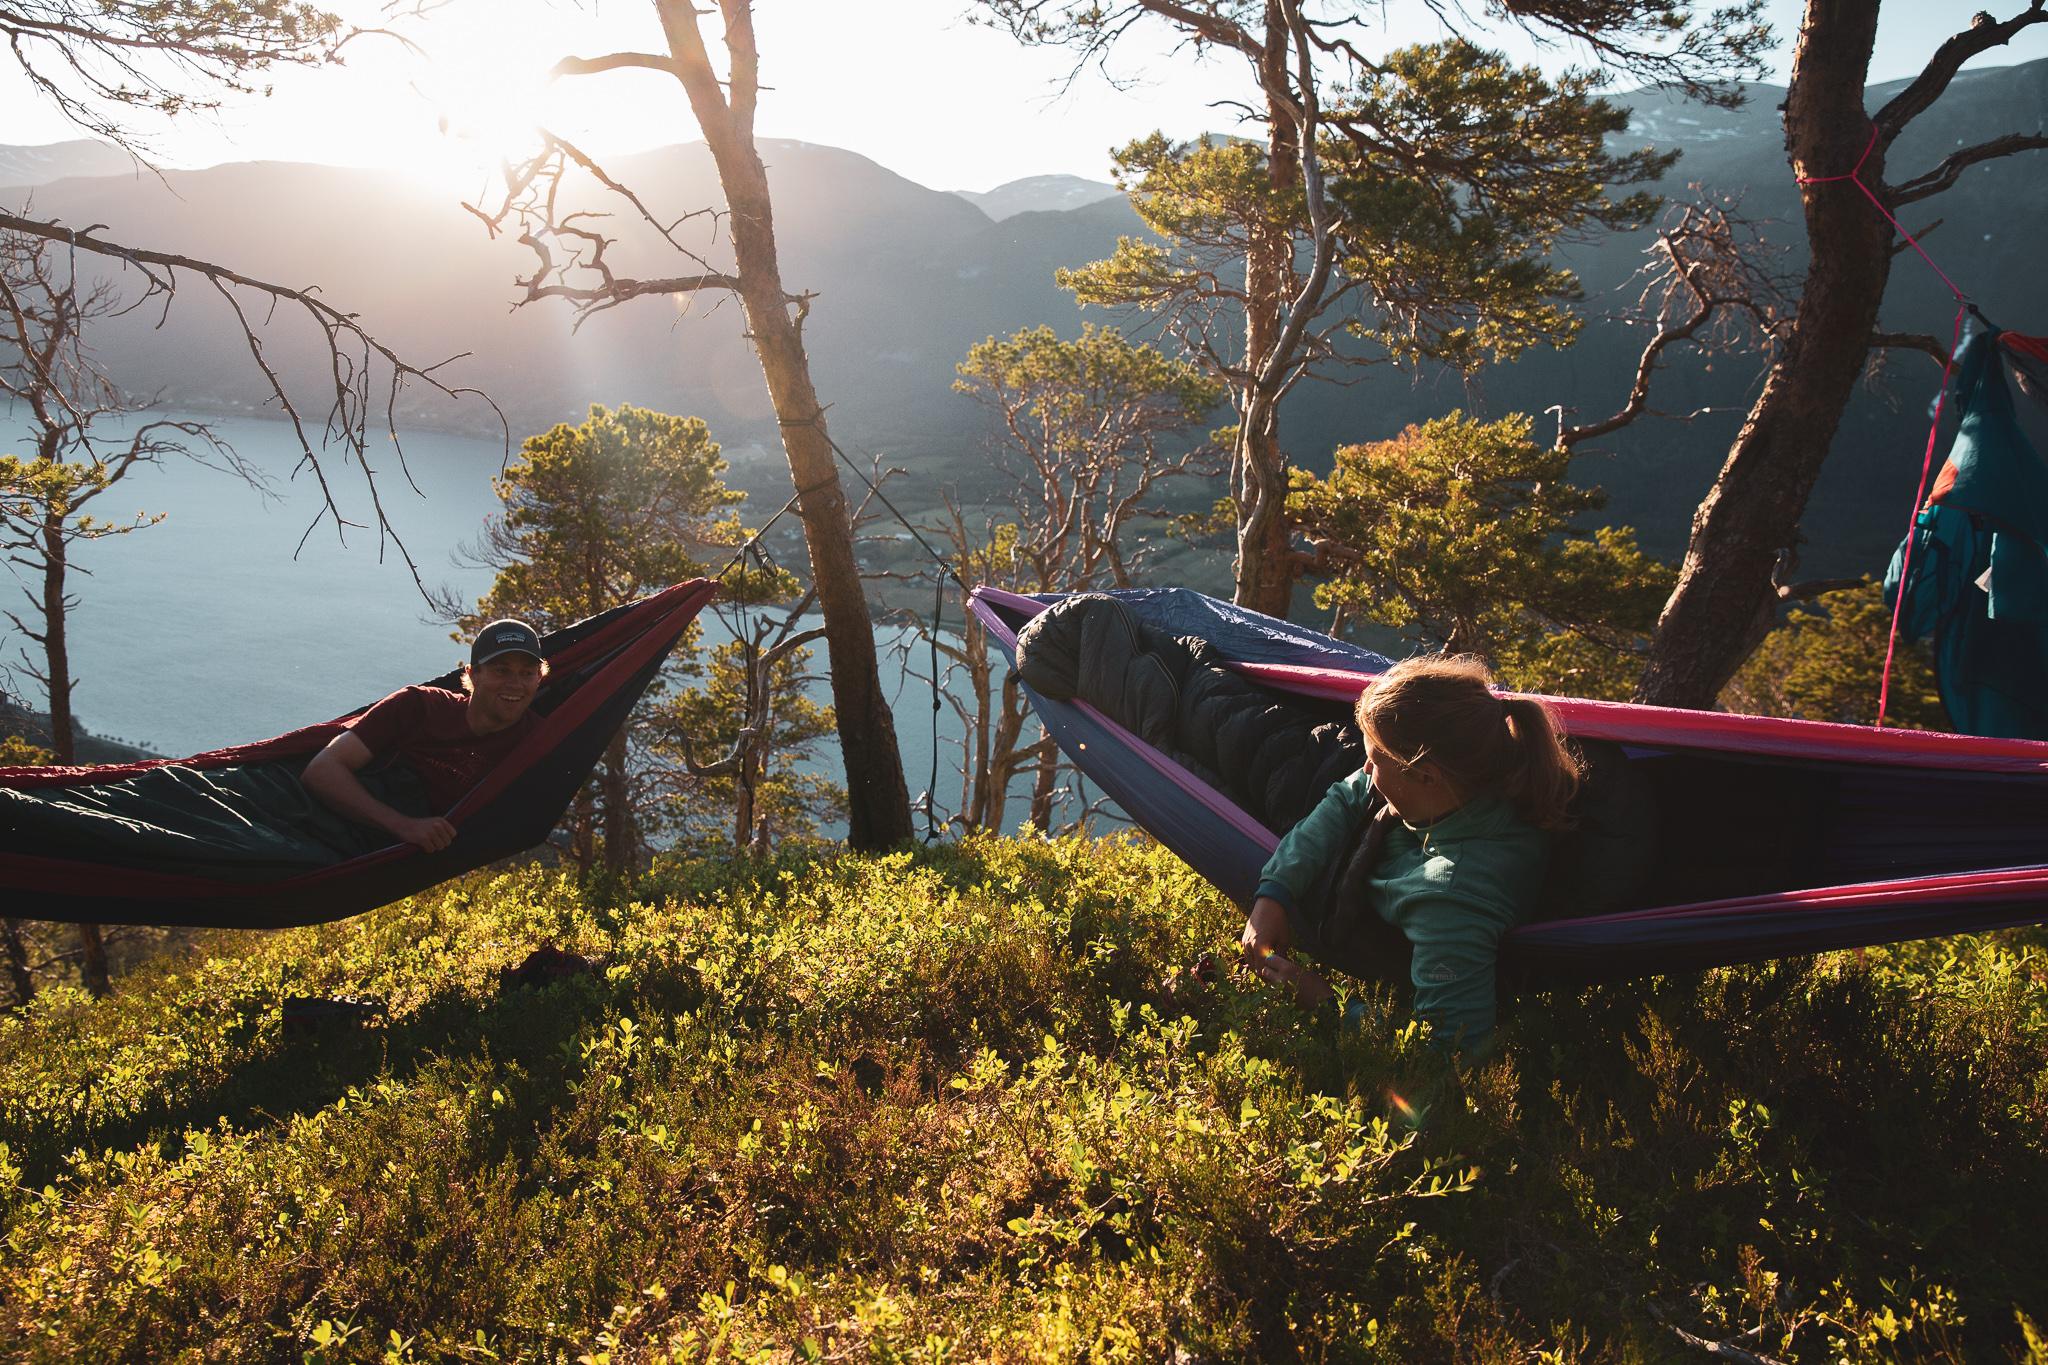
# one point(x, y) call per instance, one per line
point(1774, 837)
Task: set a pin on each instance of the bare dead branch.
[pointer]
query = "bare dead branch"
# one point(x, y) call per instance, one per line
point(1983, 34)
point(1709, 284)
point(1904, 244)
point(98, 61)
point(572, 257)
point(615, 61)
point(1943, 176)
point(354, 353)
point(1930, 346)
point(1720, 1350)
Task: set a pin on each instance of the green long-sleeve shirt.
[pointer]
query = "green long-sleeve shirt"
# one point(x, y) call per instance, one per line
point(1452, 888)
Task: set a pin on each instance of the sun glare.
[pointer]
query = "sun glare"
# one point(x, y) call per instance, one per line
point(488, 100)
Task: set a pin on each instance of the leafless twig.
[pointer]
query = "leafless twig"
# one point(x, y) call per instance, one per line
point(365, 375)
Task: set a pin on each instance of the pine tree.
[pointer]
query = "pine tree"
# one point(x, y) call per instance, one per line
point(1460, 534)
point(1826, 662)
point(1390, 208)
point(596, 515)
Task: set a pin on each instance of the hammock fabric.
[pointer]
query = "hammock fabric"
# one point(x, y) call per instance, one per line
point(1979, 553)
point(1772, 837)
point(229, 838)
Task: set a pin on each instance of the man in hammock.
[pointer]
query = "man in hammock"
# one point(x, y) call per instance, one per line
point(447, 740)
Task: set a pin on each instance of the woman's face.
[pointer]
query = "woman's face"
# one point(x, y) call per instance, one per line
point(1418, 794)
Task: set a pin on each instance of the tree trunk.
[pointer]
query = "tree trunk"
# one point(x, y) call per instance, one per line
point(93, 960)
point(63, 730)
point(1003, 761)
point(621, 829)
point(56, 642)
point(1265, 578)
point(743, 786)
point(583, 830)
point(18, 974)
point(1042, 790)
point(982, 797)
point(1752, 512)
point(1258, 466)
point(877, 797)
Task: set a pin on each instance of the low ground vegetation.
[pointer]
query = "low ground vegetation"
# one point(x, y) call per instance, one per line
point(969, 1104)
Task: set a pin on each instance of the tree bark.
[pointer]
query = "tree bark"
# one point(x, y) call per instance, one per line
point(878, 798)
point(56, 641)
point(1042, 790)
point(93, 960)
point(621, 829)
point(743, 804)
point(1752, 512)
point(1265, 576)
point(1004, 763)
point(16, 951)
point(63, 730)
point(743, 778)
point(583, 830)
point(1258, 466)
point(983, 800)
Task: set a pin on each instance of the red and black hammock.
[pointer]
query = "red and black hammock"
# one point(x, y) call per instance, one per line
point(229, 838)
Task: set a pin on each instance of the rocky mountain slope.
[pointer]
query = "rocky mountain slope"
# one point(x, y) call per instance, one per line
point(908, 277)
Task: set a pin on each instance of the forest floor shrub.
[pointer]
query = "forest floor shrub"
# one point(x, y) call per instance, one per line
point(967, 1103)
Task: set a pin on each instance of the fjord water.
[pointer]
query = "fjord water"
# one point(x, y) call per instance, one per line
point(216, 626)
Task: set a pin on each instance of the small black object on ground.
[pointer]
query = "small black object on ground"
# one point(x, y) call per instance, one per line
point(544, 966)
point(320, 1014)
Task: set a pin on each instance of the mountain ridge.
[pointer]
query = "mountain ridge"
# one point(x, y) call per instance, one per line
point(905, 278)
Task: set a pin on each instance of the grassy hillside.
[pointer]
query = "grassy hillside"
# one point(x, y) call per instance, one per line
point(967, 1104)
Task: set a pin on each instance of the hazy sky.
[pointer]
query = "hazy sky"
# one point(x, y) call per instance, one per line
point(924, 93)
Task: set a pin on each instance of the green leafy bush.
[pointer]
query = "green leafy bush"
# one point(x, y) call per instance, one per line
point(967, 1103)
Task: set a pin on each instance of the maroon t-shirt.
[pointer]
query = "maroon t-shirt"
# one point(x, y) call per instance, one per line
point(427, 729)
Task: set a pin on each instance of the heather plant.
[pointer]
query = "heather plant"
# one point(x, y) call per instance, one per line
point(969, 1103)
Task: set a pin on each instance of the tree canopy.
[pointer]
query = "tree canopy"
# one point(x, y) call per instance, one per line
point(1395, 208)
point(596, 515)
point(101, 62)
point(1091, 429)
point(1461, 533)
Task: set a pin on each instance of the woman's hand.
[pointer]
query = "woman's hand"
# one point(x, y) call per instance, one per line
point(1265, 931)
point(1265, 937)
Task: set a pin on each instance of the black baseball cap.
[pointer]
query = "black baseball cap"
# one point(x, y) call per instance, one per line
point(504, 637)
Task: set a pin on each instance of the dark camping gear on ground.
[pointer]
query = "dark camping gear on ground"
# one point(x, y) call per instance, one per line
point(332, 1014)
point(1703, 839)
point(230, 839)
point(544, 966)
point(1979, 554)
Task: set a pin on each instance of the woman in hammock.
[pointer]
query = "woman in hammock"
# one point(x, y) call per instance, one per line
point(1415, 865)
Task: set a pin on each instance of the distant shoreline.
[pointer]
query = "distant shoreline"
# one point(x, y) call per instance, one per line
point(34, 726)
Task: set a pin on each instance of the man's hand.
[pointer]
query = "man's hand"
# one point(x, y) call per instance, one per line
point(331, 777)
point(430, 834)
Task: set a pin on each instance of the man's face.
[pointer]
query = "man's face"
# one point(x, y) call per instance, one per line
point(505, 686)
